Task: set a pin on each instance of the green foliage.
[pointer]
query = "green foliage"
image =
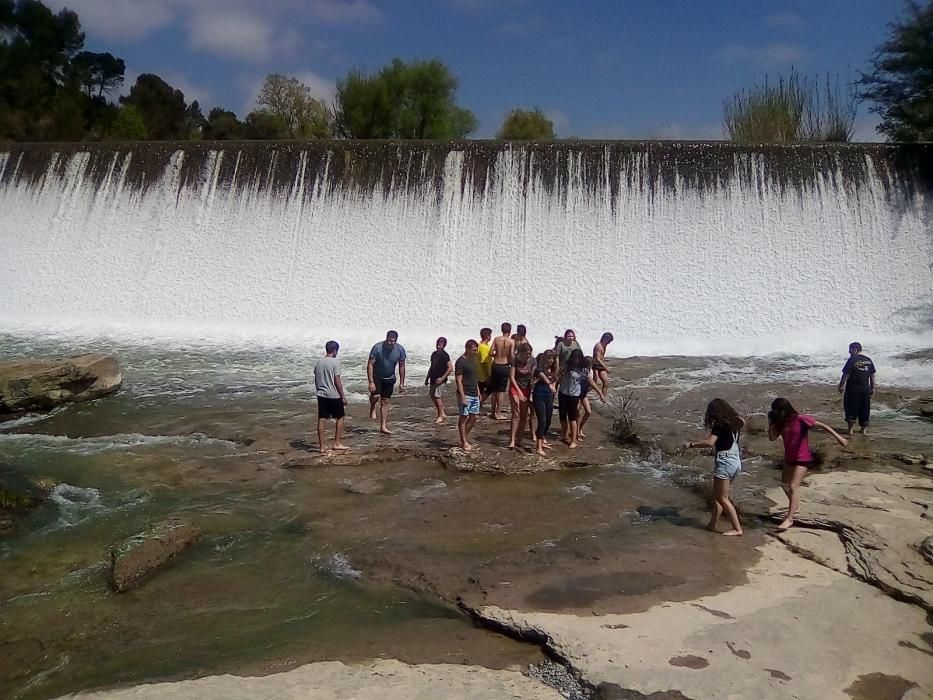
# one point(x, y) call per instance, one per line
point(901, 80)
point(161, 106)
point(223, 125)
point(265, 126)
point(98, 73)
point(792, 110)
point(128, 125)
point(290, 101)
point(404, 100)
point(526, 125)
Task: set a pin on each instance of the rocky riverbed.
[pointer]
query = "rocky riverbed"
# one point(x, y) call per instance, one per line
point(595, 557)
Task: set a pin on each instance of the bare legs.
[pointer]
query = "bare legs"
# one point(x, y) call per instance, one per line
point(791, 479)
point(587, 411)
point(464, 426)
point(603, 378)
point(439, 408)
point(722, 503)
point(383, 412)
point(519, 416)
point(338, 436)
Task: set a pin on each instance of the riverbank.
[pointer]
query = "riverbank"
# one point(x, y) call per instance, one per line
point(560, 552)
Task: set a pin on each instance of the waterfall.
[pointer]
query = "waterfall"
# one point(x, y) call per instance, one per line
point(674, 247)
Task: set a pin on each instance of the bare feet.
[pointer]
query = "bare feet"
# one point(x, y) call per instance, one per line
point(849, 431)
point(466, 447)
point(541, 453)
point(498, 417)
point(340, 447)
point(511, 445)
point(711, 527)
point(384, 430)
point(581, 435)
point(785, 525)
point(440, 419)
point(732, 533)
point(573, 445)
point(372, 415)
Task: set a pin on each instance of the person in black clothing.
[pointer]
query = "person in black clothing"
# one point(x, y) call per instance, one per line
point(858, 383)
point(436, 381)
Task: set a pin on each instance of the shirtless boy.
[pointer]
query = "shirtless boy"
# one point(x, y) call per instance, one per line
point(600, 371)
point(503, 351)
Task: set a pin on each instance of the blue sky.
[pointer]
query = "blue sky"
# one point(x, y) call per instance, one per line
point(600, 69)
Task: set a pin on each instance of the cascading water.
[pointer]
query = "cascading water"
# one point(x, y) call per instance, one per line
point(676, 248)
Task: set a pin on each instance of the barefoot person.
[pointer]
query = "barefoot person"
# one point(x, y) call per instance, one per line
point(542, 395)
point(565, 345)
point(466, 373)
point(572, 381)
point(794, 428)
point(586, 410)
point(521, 376)
point(858, 383)
point(436, 381)
point(724, 426)
point(380, 371)
point(503, 350)
point(600, 371)
point(330, 397)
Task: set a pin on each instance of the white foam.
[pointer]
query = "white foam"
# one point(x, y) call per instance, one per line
point(110, 443)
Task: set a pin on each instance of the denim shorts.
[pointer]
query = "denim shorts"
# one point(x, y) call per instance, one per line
point(471, 407)
point(728, 466)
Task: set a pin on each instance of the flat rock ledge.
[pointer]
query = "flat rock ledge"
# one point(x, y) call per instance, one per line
point(139, 557)
point(45, 384)
point(795, 629)
point(333, 680)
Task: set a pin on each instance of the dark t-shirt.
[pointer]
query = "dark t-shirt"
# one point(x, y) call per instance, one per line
point(724, 438)
point(439, 361)
point(468, 368)
point(859, 368)
point(385, 360)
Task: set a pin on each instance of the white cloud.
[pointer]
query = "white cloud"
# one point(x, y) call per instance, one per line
point(786, 20)
point(770, 55)
point(324, 89)
point(119, 19)
point(235, 34)
point(191, 90)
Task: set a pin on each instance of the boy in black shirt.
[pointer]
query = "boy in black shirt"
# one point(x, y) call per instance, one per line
point(858, 383)
point(436, 381)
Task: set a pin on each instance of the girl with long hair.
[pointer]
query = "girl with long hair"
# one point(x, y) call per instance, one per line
point(572, 381)
point(724, 426)
point(542, 396)
point(794, 429)
point(521, 377)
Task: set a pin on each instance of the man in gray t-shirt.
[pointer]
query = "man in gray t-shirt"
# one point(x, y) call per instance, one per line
point(330, 397)
point(380, 371)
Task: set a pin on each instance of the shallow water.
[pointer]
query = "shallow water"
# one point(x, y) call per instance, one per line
point(295, 565)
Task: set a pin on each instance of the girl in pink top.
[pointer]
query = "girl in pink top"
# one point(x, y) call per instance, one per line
point(794, 429)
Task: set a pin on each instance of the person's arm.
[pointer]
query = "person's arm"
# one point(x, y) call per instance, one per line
point(595, 387)
point(710, 441)
point(512, 381)
point(444, 377)
point(461, 395)
point(822, 426)
point(871, 382)
point(369, 374)
point(773, 432)
point(842, 382)
point(401, 376)
point(338, 382)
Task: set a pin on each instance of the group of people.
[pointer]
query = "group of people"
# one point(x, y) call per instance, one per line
point(492, 369)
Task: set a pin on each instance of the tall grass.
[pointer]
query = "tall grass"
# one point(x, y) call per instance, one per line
point(793, 109)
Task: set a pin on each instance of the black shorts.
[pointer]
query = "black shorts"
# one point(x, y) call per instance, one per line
point(499, 379)
point(329, 408)
point(384, 387)
point(857, 405)
point(483, 388)
point(567, 406)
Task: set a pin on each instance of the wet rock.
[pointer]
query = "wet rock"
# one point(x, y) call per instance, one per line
point(18, 491)
point(905, 458)
point(926, 549)
point(140, 556)
point(44, 384)
point(363, 487)
point(756, 424)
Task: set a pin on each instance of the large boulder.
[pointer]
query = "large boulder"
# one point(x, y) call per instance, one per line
point(138, 557)
point(18, 491)
point(44, 384)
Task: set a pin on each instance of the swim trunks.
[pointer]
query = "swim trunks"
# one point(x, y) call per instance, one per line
point(329, 408)
point(499, 379)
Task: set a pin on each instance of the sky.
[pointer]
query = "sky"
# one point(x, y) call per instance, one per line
point(613, 69)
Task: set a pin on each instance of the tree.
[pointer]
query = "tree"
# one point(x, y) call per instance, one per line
point(527, 125)
point(290, 100)
point(791, 110)
point(901, 80)
point(265, 126)
point(404, 100)
point(223, 125)
point(98, 73)
point(129, 125)
point(161, 107)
